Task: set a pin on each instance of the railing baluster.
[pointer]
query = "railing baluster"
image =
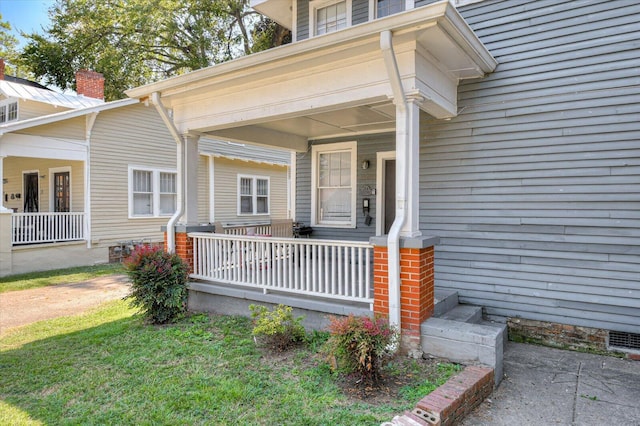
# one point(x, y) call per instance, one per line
point(329, 269)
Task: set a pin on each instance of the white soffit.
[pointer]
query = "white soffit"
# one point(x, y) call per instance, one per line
point(280, 11)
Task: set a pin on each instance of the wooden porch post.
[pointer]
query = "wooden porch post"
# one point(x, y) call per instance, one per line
point(416, 285)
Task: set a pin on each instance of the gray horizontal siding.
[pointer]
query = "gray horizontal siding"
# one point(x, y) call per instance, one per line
point(360, 11)
point(302, 20)
point(534, 189)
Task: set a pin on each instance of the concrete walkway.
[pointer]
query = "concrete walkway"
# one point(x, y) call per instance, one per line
point(23, 307)
point(545, 386)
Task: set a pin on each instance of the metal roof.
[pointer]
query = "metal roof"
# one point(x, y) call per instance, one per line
point(22, 91)
point(244, 152)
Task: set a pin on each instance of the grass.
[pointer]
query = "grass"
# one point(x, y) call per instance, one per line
point(107, 367)
point(59, 276)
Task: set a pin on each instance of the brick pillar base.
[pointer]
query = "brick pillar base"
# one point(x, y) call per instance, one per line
point(184, 243)
point(416, 286)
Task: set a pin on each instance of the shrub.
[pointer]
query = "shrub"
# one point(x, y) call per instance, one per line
point(278, 328)
point(359, 344)
point(158, 283)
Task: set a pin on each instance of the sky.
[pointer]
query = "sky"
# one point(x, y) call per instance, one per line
point(25, 15)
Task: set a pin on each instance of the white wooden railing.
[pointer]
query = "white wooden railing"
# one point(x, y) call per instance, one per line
point(32, 228)
point(324, 268)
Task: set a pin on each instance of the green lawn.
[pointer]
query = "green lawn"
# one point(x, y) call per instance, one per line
point(59, 276)
point(108, 367)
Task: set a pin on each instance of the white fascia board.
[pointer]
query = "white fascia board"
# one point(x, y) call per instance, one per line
point(406, 22)
point(42, 147)
point(66, 115)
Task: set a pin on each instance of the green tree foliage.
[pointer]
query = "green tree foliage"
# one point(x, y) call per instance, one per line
point(9, 51)
point(134, 42)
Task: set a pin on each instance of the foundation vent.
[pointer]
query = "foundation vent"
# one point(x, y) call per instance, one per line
point(622, 340)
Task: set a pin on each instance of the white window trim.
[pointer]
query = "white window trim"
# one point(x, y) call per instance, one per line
point(254, 194)
point(155, 182)
point(314, 5)
point(52, 194)
point(5, 104)
point(316, 150)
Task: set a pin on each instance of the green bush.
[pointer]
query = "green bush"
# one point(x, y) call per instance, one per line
point(278, 329)
point(359, 344)
point(158, 283)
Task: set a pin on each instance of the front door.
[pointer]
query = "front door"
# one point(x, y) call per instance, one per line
point(31, 190)
point(61, 192)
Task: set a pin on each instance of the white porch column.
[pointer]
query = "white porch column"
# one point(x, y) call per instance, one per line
point(190, 176)
point(411, 175)
point(2, 207)
point(5, 230)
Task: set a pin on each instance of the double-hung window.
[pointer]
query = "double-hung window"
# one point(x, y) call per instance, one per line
point(8, 111)
point(329, 16)
point(152, 192)
point(333, 173)
point(253, 195)
point(389, 7)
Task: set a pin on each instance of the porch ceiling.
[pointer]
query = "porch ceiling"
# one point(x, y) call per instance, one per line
point(328, 86)
point(373, 118)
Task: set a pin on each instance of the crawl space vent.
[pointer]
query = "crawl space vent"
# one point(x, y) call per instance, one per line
point(622, 340)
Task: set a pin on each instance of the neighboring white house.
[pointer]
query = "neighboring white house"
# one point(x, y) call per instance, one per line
point(507, 129)
point(84, 179)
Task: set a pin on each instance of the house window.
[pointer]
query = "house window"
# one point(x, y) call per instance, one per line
point(253, 195)
point(329, 16)
point(152, 192)
point(168, 193)
point(389, 7)
point(333, 171)
point(8, 111)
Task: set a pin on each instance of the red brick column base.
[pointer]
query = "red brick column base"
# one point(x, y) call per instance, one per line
point(184, 247)
point(416, 290)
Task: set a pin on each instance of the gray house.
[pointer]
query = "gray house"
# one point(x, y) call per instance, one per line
point(507, 129)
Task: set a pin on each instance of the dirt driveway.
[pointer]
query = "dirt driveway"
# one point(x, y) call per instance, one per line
point(27, 306)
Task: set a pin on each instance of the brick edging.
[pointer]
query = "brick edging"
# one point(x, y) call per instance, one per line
point(451, 402)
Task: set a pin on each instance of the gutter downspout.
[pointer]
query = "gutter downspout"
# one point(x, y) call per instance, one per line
point(171, 225)
point(393, 242)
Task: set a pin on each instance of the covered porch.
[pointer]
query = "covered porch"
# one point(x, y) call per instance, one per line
point(326, 99)
point(44, 199)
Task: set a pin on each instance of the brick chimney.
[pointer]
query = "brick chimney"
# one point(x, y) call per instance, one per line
point(1, 69)
point(90, 84)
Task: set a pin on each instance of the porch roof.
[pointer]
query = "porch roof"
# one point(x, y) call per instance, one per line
point(331, 85)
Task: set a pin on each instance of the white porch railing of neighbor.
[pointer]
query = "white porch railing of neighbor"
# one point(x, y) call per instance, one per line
point(32, 228)
point(324, 268)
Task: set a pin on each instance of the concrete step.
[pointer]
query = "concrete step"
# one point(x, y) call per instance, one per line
point(464, 313)
point(445, 300)
point(465, 343)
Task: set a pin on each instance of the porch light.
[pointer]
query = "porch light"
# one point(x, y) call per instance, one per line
point(365, 164)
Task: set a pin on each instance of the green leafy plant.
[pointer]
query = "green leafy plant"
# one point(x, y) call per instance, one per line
point(278, 328)
point(158, 283)
point(359, 344)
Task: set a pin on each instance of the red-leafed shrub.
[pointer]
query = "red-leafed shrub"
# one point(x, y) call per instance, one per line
point(359, 344)
point(158, 283)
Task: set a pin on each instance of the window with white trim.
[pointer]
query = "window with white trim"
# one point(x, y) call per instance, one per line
point(253, 195)
point(8, 110)
point(152, 192)
point(333, 198)
point(329, 16)
point(389, 7)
